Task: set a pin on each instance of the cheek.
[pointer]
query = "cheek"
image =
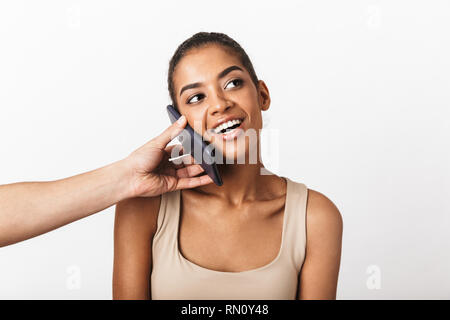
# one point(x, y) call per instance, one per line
point(195, 119)
point(248, 95)
point(253, 111)
point(257, 119)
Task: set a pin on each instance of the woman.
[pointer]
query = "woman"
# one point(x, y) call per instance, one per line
point(257, 236)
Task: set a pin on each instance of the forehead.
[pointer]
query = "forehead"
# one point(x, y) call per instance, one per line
point(203, 64)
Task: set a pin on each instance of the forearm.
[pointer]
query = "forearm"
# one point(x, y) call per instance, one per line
point(28, 209)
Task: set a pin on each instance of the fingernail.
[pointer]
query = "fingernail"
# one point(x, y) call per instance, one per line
point(181, 119)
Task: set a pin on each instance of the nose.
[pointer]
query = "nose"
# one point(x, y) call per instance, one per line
point(218, 105)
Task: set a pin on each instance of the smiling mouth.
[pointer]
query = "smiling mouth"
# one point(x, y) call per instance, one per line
point(227, 126)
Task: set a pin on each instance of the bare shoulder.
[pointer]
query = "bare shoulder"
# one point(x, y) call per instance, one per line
point(140, 213)
point(323, 217)
point(134, 227)
point(320, 270)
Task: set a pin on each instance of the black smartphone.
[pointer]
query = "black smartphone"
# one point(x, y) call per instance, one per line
point(195, 142)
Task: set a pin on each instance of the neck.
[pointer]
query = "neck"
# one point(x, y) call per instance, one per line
point(242, 182)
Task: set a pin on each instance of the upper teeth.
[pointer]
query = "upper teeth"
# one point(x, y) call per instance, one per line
point(226, 125)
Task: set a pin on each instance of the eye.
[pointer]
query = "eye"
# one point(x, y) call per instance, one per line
point(191, 98)
point(239, 81)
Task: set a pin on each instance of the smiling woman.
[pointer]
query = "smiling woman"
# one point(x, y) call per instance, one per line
point(258, 236)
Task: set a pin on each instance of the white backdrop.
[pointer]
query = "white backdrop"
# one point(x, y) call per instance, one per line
point(360, 93)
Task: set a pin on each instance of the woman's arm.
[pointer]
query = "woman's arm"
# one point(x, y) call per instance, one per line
point(319, 275)
point(134, 227)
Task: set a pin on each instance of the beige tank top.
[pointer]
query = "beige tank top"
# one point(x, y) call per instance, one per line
point(174, 277)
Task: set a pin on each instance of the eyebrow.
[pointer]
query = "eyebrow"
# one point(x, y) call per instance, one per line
point(219, 76)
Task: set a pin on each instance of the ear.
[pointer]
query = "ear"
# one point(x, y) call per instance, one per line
point(263, 95)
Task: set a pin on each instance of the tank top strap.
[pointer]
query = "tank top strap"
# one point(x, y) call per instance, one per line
point(168, 220)
point(295, 211)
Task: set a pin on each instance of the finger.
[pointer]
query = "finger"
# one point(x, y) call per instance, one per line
point(170, 133)
point(190, 171)
point(184, 161)
point(174, 150)
point(188, 160)
point(181, 170)
point(188, 183)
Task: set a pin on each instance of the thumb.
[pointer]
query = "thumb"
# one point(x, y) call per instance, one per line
point(170, 133)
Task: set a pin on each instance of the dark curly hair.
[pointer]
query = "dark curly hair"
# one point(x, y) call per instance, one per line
point(199, 40)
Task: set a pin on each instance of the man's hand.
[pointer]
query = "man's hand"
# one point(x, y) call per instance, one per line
point(28, 209)
point(151, 173)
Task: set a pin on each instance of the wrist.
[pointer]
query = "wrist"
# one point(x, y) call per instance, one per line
point(124, 172)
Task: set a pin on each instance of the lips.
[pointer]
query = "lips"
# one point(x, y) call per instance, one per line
point(224, 120)
point(228, 126)
point(229, 135)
